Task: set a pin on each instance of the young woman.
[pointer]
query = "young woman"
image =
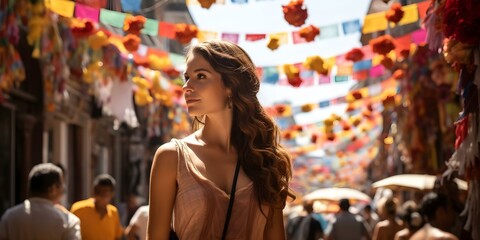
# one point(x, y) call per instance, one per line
point(191, 179)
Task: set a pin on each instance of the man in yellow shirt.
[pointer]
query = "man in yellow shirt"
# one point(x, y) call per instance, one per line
point(98, 218)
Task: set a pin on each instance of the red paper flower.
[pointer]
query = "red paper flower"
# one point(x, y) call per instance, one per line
point(356, 95)
point(295, 81)
point(184, 33)
point(82, 28)
point(461, 20)
point(309, 33)
point(206, 3)
point(314, 138)
point(395, 14)
point(294, 13)
point(134, 24)
point(387, 62)
point(171, 72)
point(405, 53)
point(131, 42)
point(382, 45)
point(354, 55)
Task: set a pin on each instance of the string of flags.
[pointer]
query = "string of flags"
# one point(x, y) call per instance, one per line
point(372, 22)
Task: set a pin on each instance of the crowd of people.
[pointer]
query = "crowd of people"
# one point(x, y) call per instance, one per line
point(41, 215)
point(435, 216)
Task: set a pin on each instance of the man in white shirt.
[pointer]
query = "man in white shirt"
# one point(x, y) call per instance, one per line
point(40, 216)
point(138, 224)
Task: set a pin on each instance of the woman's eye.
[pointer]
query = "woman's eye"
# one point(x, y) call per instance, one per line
point(201, 76)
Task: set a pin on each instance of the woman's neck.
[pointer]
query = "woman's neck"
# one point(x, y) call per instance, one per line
point(216, 132)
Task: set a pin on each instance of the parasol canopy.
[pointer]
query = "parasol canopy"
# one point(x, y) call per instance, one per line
point(414, 181)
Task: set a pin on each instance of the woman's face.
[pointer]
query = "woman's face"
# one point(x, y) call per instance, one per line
point(204, 90)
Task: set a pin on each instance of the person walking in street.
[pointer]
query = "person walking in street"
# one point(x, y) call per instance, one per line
point(439, 215)
point(99, 219)
point(305, 226)
point(346, 225)
point(412, 220)
point(229, 179)
point(137, 228)
point(386, 229)
point(39, 216)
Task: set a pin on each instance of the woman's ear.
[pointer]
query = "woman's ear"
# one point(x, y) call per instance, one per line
point(229, 92)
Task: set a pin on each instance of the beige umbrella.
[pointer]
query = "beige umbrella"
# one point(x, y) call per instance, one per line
point(413, 181)
point(335, 194)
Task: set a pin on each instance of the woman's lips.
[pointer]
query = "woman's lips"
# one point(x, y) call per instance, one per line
point(189, 101)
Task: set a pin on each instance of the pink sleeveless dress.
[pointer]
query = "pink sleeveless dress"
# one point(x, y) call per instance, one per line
point(201, 207)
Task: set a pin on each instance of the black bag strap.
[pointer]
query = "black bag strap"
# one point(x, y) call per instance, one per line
point(232, 198)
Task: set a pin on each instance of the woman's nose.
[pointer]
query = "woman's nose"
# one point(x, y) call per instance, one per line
point(187, 87)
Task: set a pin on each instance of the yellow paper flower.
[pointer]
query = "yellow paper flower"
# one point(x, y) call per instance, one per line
point(98, 40)
point(317, 64)
point(273, 43)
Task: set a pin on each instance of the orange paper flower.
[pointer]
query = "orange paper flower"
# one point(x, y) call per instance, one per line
point(294, 13)
point(273, 43)
point(399, 74)
point(389, 102)
point(280, 109)
point(184, 33)
point(82, 28)
point(382, 45)
point(309, 33)
point(134, 24)
point(206, 3)
point(354, 55)
point(395, 14)
point(131, 42)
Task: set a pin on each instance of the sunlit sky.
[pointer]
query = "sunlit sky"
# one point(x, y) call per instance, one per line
point(267, 17)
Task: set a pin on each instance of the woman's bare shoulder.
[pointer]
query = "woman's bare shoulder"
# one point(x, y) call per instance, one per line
point(166, 153)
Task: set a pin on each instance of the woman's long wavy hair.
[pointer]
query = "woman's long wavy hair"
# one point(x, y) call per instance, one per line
point(254, 134)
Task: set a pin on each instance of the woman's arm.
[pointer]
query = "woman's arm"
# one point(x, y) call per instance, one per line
point(274, 228)
point(163, 189)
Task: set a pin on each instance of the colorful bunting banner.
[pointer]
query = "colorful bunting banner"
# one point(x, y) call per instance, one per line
point(113, 18)
point(254, 37)
point(231, 37)
point(61, 7)
point(329, 31)
point(166, 29)
point(151, 27)
point(131, 5)
point(83, 11)
point(350, 27)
